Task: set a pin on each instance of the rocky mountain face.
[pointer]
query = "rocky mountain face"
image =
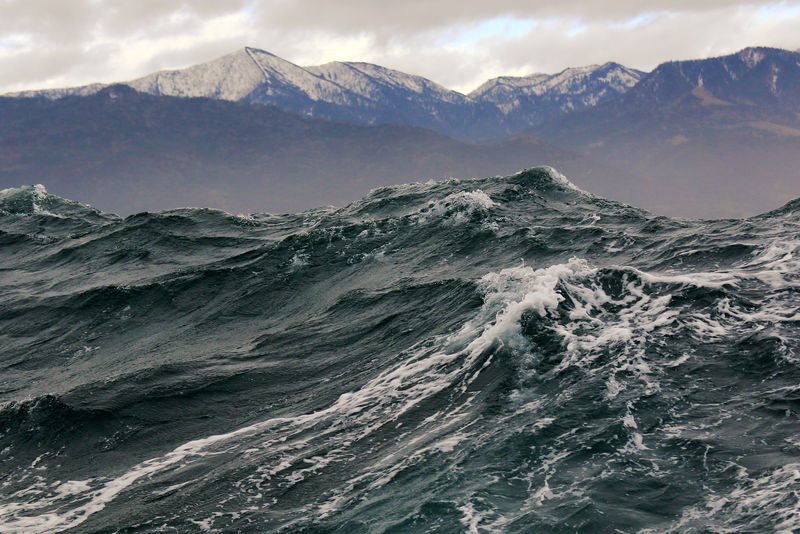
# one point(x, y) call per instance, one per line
point(721, 132)
point(364, 93)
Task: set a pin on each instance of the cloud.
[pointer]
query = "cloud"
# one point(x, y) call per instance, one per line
point(414, 16)
point(459, 43)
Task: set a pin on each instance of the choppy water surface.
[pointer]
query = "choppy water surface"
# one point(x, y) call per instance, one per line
point(500, 355)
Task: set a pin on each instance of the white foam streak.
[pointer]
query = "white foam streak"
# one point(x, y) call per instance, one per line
point(387, 396)
point(563, 180)
point(457, 208)
point(769, 502)
point(617, 327)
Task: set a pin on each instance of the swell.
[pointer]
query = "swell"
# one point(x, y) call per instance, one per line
point(498, 355)
point(539, 349)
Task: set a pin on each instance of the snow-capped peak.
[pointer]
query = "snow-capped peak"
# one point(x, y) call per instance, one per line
point(367, 93)
point(546, 95)
point(568, 81)
point(278, 71)
point(372, 81)
point(231, 77)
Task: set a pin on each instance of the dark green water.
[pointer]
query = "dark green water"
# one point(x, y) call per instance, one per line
point(499, 355)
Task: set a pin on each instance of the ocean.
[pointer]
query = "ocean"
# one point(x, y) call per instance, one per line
point(509, 355)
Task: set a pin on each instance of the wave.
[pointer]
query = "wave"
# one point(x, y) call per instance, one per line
point(495, 355)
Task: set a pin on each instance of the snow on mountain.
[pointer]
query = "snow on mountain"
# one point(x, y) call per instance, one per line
point(541, 96)
point(376, 82)
point(370, 94)
point(281, 75)
point(55, 94)
point(249, 75)
point(231, 77)
point(397, 97)
point(506, 88)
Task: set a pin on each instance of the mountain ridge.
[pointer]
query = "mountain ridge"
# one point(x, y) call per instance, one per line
point(549, 95)
point(738, 77)
point(365, 93)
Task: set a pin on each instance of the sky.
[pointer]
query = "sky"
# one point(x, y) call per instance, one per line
point(457, 43)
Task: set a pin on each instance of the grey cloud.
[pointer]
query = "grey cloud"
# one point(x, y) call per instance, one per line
point(672, 36)
point(51, 21)
point(201, 53)
point(414, 16)
point(80, 20)
point(47, 63)
point(106, 40)
point(156, 15)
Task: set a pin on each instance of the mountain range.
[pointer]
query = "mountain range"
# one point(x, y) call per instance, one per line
point(364, 93)
point(253, 132)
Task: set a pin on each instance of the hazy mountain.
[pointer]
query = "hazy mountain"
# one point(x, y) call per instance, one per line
point(718, 136)
point(363, 93)
point(126, 151)
point(534, 99)
point(712, 137)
